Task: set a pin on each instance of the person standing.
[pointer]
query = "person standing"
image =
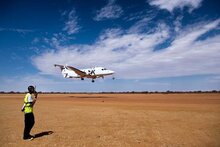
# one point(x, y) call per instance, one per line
point(29, 101)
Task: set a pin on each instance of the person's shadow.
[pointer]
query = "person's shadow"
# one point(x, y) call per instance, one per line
point(43, 134)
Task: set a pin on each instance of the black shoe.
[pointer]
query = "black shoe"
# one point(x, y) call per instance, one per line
point(29, 138)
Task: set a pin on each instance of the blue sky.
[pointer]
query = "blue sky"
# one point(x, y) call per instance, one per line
point(153, 45)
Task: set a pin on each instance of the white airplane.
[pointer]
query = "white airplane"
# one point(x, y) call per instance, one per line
point(93, 73)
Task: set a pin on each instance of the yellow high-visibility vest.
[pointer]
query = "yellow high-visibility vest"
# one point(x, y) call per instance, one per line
point(28, 106)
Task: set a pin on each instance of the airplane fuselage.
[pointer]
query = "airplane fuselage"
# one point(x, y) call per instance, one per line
point(93, 73)
point(90, 73)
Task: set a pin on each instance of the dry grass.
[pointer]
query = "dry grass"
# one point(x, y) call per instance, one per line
point(115, 120)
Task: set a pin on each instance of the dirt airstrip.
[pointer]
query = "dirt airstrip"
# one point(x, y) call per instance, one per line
point(114, 120)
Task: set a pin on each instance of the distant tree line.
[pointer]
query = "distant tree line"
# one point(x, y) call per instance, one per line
point(126, 92)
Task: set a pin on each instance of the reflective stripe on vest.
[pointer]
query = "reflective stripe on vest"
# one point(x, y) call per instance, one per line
point(28, 106)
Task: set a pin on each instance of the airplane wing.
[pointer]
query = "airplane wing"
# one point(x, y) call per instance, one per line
point(77, 71)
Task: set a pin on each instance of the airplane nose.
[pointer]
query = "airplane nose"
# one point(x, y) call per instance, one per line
point(112, 71)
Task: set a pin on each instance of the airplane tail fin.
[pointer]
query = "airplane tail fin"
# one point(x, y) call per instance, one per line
point(60, 66)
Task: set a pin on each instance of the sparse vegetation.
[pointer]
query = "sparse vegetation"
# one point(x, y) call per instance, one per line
point(126, 92)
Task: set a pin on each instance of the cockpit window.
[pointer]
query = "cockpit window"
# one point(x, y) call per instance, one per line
point(104, 69)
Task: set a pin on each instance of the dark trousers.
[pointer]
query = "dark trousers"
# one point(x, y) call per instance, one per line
point(29, 123)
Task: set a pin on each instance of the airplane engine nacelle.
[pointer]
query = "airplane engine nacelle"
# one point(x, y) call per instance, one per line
point(65, 73)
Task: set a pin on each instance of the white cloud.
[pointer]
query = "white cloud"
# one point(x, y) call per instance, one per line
point(170, 5)
point(112, 49)
point(132, 55)
point(42, 83)
point(177, 23)
point(47, 83)
point(110, 11)
point(20, 83)
point(141, 26)
point(71, 25)
point(23, 31)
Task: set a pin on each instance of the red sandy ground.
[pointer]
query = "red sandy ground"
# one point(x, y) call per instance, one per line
point(115, 120)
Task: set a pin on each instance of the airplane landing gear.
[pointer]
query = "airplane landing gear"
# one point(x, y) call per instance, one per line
point(93, 81)
point(82, 78)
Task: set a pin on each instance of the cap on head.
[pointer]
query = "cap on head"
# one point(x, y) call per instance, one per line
point(31, 89)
